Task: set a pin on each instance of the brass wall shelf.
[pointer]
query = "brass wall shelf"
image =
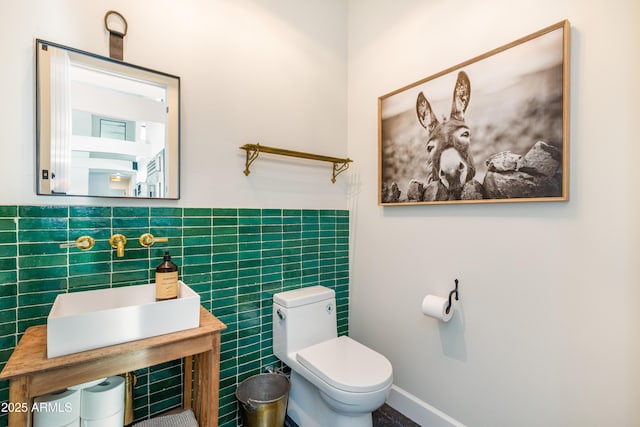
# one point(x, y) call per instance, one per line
point(253, 150)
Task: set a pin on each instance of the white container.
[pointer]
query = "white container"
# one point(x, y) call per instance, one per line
point(102, 400)
point(92, 319)
point(58, 409)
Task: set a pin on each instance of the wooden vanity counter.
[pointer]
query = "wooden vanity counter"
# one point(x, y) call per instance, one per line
point(31, 373)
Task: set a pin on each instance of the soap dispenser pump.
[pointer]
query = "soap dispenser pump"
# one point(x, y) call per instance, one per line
point(166, 279)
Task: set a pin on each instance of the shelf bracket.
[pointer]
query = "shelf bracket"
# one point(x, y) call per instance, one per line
point(338, 168)
point(252, 155)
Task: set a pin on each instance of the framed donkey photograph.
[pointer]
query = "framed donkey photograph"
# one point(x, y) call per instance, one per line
point(491, 129)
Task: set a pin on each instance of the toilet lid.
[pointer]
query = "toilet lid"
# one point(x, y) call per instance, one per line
point(347, 365)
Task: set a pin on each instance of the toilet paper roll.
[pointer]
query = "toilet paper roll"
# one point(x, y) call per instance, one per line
point(436, 306)
point(74, 423)
point(56, 409)
point(115, 420)
point(103, 400)
point(87, 384)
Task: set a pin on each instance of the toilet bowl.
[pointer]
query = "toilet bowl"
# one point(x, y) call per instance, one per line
point(335, 381)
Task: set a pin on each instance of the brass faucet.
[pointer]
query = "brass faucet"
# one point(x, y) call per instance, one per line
point(118, 241)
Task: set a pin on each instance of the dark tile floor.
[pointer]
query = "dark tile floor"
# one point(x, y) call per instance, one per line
point(386, 416)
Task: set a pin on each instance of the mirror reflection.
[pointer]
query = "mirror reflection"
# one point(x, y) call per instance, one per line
point(105, 128)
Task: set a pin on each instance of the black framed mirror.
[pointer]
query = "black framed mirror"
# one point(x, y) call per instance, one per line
point(105, 128)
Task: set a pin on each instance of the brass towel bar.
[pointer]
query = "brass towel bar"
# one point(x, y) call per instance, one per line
point(339, 165)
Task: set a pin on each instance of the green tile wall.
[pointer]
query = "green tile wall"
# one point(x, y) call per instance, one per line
point(236, 259)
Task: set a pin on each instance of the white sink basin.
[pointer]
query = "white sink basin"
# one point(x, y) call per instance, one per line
point(92, 319)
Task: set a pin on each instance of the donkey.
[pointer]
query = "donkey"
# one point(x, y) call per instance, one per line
point(449, 163)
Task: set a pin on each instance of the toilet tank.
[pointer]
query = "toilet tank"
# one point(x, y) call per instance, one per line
point(303, 317)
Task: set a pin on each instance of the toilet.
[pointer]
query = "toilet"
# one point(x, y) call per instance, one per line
point(335, 381)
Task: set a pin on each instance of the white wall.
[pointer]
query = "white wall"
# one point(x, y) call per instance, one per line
point(262, 71)
point(549, 328)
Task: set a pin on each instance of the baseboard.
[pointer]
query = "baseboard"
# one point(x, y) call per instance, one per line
point(419, 411)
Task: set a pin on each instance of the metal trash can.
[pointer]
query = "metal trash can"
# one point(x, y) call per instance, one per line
point(264, 400)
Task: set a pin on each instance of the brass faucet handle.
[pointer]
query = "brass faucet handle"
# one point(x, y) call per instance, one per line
point(147, 239)
point(84, 243)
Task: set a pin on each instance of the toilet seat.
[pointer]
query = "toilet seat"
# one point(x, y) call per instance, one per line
point(347, 365)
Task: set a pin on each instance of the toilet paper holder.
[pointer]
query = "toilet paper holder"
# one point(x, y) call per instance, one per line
point(455, 291)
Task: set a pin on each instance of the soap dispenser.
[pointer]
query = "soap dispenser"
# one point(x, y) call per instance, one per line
point(166, 279)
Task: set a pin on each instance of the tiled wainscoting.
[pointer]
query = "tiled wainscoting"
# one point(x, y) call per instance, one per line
point(236, 259)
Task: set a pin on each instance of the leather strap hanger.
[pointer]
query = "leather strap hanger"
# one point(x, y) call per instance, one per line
point(116, 38)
